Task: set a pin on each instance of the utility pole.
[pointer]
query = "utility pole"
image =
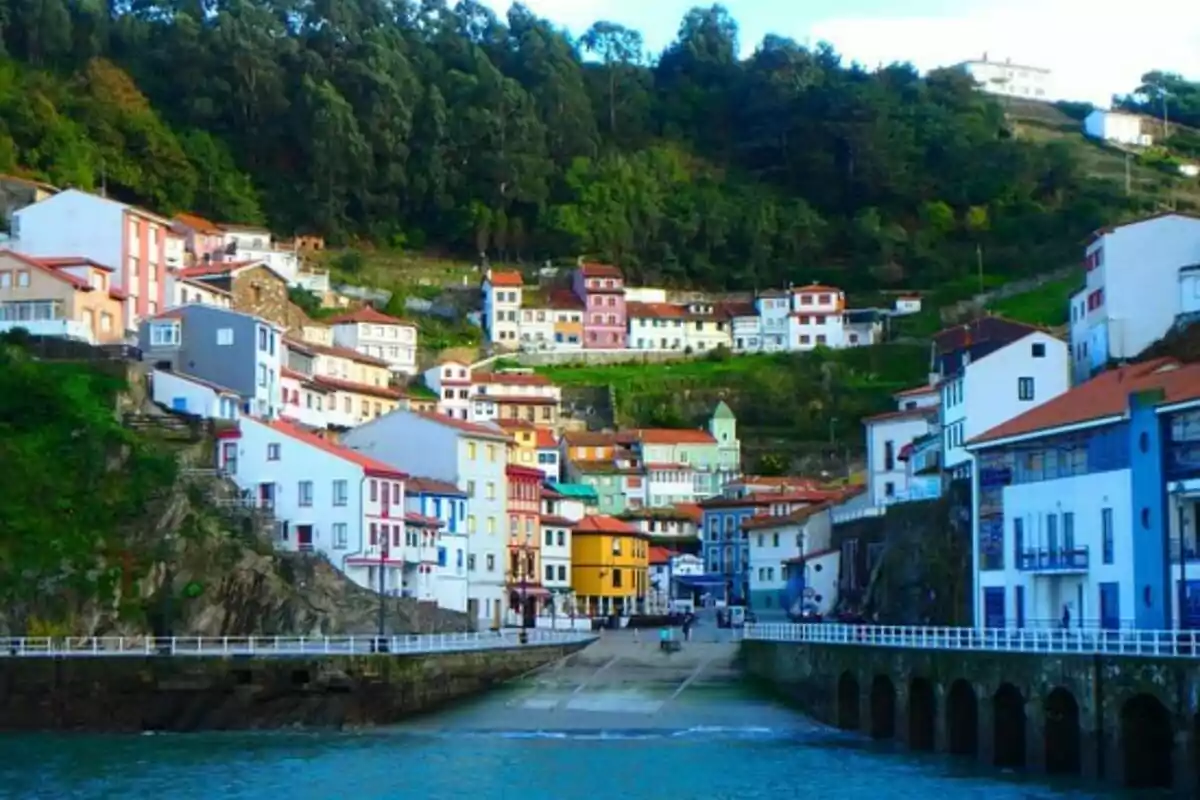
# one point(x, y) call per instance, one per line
point(979, 265)
point(1128, 182)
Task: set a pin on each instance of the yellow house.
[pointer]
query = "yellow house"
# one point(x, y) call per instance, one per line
point(360, 384)
point(610, 562)
point(523, 452)
point(65, 297)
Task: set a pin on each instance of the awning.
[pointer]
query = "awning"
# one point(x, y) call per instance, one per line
point(702, 581)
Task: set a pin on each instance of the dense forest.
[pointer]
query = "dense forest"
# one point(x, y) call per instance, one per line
point(427, 124)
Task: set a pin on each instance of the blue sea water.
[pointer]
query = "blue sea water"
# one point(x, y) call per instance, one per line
point(708, 762)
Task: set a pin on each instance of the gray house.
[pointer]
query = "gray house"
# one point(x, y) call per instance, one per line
point(222, 347)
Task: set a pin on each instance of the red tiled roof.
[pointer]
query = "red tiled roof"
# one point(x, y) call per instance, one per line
point(985, 329)
point(676, 467)
point(345, 352)
point(422, 520)
point(516, 425)
point(673, 436)
point(386, 392)
point(767, 498)
point(556, 522)
point(815, 287)
point(654, 311)
point(367, 314)
point(546, 440)
point(550, 494)
point(57, 262)
point(601, 271)
point(307, 380)
point(508, 278)
point(220, 268)
point(928, 388)
point(564, 300)
point(1106, 395)
point(737, 308)
point(511, 378)
point(117, 293)
point(590, 438)
point(431, 486)
point(39, 264)
point(799, 515)
point(517, 399)
point(690, 510)
point(660, 555)
point(600, 523)
point(906, 413)
point(369, 465)
point(462, 425)
point(524, 473)
point(198, 224)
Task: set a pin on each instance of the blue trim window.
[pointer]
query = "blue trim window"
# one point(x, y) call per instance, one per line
point(1106, 534)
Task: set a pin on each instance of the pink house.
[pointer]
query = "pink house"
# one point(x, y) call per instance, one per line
point(601, 287)
point(202, 239)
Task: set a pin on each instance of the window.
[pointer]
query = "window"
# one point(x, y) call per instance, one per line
point(1018, 539)
point(471, 527)
point(1024, 388)
point(616, 578)
point(491, 454)
point(224, 336)
point(491, 525)
point(262, 339)
point(23, 278)
point(471, 562)
point(775, 540)
point(262, 374)
point(396, 494)
point(1038, 350)
point(306, 493)
point(562, 572)
point(471, 489)
point(471, 451)
point(1106, 535)
point(889, 489)
point(889, 455)
point(374, 491)
point(491, 561)
point(340, 493)
point(272, 452)
point(491, 491)
point(549, 572)
point(340, 535)
point(164, 334)
point(562, 539)
point(549, 537)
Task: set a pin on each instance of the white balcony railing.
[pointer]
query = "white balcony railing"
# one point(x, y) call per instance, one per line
point(279, 646)
point(1122, 642)
point(61, 328)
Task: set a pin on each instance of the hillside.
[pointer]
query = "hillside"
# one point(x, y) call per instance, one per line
point(112, 529)
point(409, 125)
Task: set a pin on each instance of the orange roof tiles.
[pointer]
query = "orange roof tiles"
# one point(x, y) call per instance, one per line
point(799, 515)
point(369, 465)
point(367, 314)
point(691, 511)
point(590, 439)
point(600, 523)
point(516, 425)
point(815, 287)
point(510, 278)
point(546, 440)
point(418, 484)
point(660, 555)
point(674, 436)
point(654, 311)
point(564, 300)
point(594, 270)
point(928, 388)
point(524, 473)
point(385, 392)
point(41, 265)
point(198, 224)
point(1106, 395)
point(221, 268)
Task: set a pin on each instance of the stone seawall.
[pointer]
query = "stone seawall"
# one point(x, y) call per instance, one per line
point(1119, 719)
point(132, 694)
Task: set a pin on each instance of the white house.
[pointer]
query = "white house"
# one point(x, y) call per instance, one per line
point(192, 395)
point(376, 334)
point(1116, 126)
point(774, 541)
point(537, 328)
point(656, 326)
point(502, 307)
point(816, 317)
point(181, 291)
point(815, 574)
point(549, 459)
point(325, 498)
point(1009, 79)
point(473, 458)
point(999, 370)
point(1135, 288)
point(774, 307)
point(443, 507)
point(130, 240)
point(746, 328)
point(307, 402)
point(451, 381)
point(888, 436)
point(251, 243)
point(1079, 505)
point(666, 566)
point(907, 304)
point(556, 551)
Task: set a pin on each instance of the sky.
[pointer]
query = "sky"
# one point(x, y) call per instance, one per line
point(1092, 52)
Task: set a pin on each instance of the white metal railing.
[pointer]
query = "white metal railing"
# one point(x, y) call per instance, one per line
point(1124, 642)
point(267, 646)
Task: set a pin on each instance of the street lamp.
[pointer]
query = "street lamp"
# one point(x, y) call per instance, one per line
point(523, 636)
point(380, 644)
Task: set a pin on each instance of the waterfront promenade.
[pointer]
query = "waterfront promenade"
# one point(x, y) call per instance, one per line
point(282, 646)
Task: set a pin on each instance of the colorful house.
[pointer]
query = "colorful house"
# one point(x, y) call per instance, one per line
point(70, 298)
point(602, 289)
point(609, 566)
point(523, 576)
point(446, 503)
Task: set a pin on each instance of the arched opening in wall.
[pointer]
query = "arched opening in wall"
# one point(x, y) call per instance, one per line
point(922, 713)
point(1008, 727)
point(962, 719)
point(883, 708)
point(848, 702)
point(1146, 743)
point(1062, 732)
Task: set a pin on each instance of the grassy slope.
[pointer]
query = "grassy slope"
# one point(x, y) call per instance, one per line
point(1047, 305)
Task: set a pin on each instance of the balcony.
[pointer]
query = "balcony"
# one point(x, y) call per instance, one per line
point(58, 328)
point(1183, 458)
point(1059, 560)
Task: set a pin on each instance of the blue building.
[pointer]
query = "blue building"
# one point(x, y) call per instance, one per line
point(446, 503)
point(1085, 507)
